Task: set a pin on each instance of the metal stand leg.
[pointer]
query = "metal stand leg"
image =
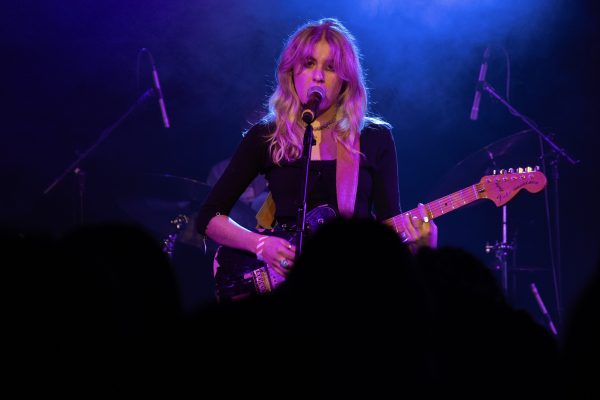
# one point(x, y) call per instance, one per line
point(543, 309)
point(502, 250)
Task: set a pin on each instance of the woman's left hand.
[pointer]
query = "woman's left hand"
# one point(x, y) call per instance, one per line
point(419, 229)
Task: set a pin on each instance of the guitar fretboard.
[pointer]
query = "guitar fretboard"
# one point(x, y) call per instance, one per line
point(441, 206)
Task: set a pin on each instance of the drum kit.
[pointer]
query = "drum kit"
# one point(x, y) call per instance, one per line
point(167, 205)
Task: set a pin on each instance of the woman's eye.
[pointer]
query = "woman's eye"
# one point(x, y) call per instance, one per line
point(309, 63)
point(330, 67)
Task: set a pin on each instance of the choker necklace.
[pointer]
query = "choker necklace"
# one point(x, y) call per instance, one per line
point(325, 125)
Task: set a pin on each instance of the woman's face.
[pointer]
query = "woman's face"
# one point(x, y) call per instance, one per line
point(318, 70)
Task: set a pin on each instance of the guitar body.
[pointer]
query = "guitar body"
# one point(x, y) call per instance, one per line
point(239, 274)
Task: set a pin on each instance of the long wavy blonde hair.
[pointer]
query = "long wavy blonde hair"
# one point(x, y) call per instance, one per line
point(285, 142)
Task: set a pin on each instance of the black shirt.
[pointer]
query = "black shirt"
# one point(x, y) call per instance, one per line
point(377, 193)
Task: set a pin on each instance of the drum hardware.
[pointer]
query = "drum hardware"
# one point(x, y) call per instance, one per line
point(179, 222)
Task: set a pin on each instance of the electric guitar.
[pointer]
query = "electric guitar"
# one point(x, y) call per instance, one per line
point(239, 274)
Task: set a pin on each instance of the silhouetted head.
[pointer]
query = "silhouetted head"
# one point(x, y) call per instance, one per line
point(118, 282)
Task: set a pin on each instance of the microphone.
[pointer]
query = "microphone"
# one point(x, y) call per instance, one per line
point(161, 100)
point(316, 94)
point(480, 82)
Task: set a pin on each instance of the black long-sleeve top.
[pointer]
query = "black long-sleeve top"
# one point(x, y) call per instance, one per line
point(377, 193)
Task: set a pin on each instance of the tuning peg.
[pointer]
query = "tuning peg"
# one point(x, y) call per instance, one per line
point(537, 167)
point(529, 169)
point(520, 170)
point(494, 172)
point(511, 171)
point(502, 171)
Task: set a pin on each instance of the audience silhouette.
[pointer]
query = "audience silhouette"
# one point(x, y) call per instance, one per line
point(580, 349)
point(484, 347)
point(94, 307)
point(359, 314)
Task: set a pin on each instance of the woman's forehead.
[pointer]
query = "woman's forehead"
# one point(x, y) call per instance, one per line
point(315, 48)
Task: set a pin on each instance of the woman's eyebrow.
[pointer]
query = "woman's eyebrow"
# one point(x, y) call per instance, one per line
point(330, 60)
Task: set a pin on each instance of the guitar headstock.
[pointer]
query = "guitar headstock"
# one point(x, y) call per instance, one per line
point(503, 185)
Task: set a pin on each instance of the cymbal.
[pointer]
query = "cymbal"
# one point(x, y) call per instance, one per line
point(153, 200)
point(168, 186)
point(517, 150)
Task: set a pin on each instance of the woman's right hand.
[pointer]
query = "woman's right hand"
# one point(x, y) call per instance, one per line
point(277, 253)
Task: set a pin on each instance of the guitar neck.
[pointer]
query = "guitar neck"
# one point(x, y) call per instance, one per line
point(443, 205)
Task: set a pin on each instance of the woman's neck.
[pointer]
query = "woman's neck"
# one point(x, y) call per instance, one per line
point(327, 116)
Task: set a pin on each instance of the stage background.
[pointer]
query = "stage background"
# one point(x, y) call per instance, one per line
point(70, 70)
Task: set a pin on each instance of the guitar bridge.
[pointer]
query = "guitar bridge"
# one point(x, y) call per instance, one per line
point(260, 277)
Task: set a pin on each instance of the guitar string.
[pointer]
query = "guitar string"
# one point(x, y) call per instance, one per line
point(465, 196)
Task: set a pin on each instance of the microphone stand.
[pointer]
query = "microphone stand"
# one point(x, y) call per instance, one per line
point(75, 165)
point(308, 143)
point(557, 151)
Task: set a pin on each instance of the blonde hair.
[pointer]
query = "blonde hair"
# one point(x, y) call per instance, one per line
point(285, 142)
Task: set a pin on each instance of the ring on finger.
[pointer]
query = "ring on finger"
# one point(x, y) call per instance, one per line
point(404, 237)
point(284, 263)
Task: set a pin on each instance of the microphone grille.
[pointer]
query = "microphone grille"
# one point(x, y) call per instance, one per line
point(316, 90)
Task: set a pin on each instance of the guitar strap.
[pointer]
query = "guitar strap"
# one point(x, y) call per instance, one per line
point(346, 180)
point(346, 176)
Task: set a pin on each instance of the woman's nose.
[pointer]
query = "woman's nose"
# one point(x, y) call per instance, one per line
point(318, 75)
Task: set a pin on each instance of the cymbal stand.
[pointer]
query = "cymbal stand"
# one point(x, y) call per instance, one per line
point(501, 251)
